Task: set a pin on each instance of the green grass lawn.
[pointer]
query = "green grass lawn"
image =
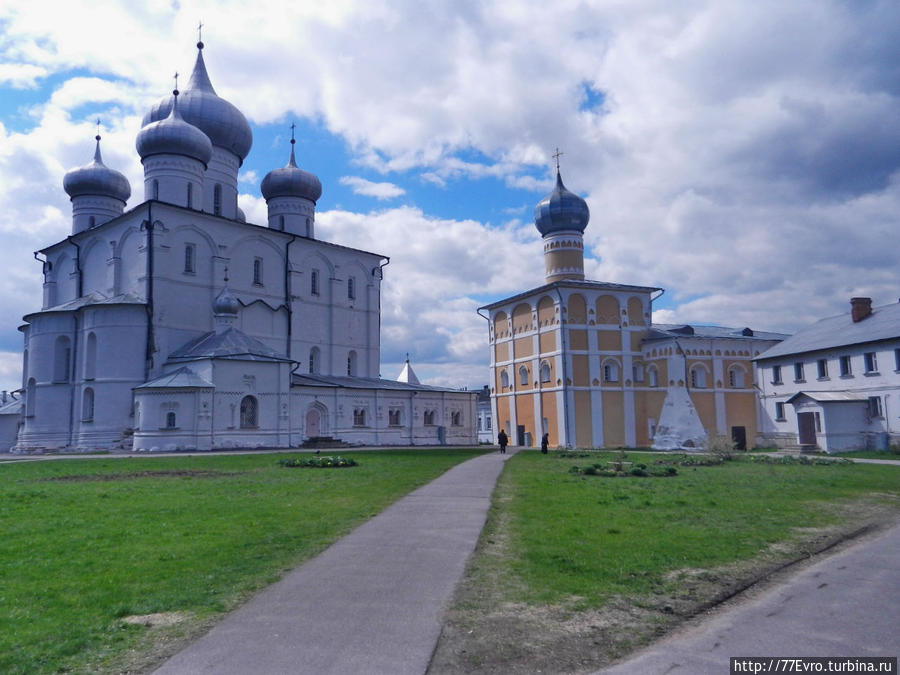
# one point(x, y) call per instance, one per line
point(871, 454)
point(593, 537)
point(87, 543)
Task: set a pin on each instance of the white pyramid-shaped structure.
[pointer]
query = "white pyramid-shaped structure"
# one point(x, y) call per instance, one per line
point(679, 425)
point(407, 375)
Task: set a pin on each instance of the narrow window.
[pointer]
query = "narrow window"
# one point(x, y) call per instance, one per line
point(189, 259)
point(394, 417)
point(314, 282)
point(871, 363)
point(249, 411)
point(698, 377)
point(156, 189)
point(779, 411)
point(822, 369)
point(281, 222)
point(798, 372)
point(736, 378)
point(314, 360)
point(456, 419)
point(610, 372)
point(62, 359)
point(257, 271)
point(359, 417)
point(92, 221)
point(87, 405)
point(190, 195)
point(637, 372)
point(217, 200)
point(818, 418)
point(653, 377)
point(875, 409)
point(170, 420)
point(90, 356)
point(487, 423)
point(504, 379)
point(846, 369)
point(351, 364)
point(523, 376)
point(30, 395)
point(429, 417)
point(776, 375)
point(545, 372)
point(351, 290)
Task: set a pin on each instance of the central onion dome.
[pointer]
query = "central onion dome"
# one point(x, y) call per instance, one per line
point(174, 136)
point(561, 211)
point(97, 179)
point(226, 302)
point(291, 181)
point(223, 123)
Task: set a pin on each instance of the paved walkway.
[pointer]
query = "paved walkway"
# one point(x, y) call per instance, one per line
point(845, 605)
point(371, 603)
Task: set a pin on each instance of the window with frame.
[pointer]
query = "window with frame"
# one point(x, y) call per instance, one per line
point(846, 368)
point(257, 272)
point(155, 189)
point(190, 259)
point(249, 413)
point(171, 420)
point(523, 376)
point(217, 200)
point(735, 377)
point(487, 423)
point(776, 375)
point(875, 409)
point(779, 411)
point(871, 363)
point(653, 377)
point(818, 419)
point(30, 396)
point(190, 195)
point(313, 360)
point(62, 359)
point(351, 288)
point(87, 405)
point(351, 364)
point(504, 379)
point(698, 377)
point(798, 372)
point(456, 418)
point(610, 372)
point(637, 372)
point(394, 417)
point(359, 417)
point(314, 282)
point(545, 372)
point(822, 369)
point(90, 356)
point(429, 418)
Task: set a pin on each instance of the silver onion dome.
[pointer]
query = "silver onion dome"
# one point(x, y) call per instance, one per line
point(291, 181)
point(97, 179)
point(225, 125)
point(226, 302)
point(174, 136)
point(561, 211)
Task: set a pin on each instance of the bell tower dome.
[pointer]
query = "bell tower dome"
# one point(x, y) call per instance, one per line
point(561, 218)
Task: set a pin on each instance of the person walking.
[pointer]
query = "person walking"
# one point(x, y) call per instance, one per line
point(503, 440)
point(545, 441)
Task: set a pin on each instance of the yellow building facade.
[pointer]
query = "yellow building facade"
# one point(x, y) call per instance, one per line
point(582, 361)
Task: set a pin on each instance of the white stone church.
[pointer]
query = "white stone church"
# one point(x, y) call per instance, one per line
point(177, 325)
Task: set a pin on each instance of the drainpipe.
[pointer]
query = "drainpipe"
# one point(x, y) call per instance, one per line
point(71, 374)
point(562, 345)
point(288, 301)
point(380, 272)
point(148, 225)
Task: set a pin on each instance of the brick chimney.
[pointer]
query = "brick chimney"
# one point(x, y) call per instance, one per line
point(860, 308)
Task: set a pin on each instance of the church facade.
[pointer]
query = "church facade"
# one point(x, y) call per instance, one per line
point(582, 361)
point(177, 325)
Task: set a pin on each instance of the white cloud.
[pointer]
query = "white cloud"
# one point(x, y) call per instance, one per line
point(380, 191)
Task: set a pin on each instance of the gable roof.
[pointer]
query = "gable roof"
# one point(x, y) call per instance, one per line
point(231, 343)
point(840, 331)
point(182, 378)
point(829, 397)
point(348, 382)
point(664, 331)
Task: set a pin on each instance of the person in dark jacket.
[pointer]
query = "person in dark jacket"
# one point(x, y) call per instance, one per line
point(545, 441)
point(503, 440)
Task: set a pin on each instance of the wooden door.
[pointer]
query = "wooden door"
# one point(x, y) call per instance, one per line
point(806, 425)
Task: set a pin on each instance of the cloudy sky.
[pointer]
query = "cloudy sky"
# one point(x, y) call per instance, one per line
point(743, 155)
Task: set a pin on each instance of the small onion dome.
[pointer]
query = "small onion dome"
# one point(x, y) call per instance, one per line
point(291, 181)
point(226, 303)
point(97, 179)
point(561, 211)
point(225, 125)
point(174, 136)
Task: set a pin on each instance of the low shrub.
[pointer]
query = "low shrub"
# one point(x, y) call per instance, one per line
point(318, 462)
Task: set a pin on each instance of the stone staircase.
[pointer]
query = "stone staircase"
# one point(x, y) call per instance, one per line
point(324, 442)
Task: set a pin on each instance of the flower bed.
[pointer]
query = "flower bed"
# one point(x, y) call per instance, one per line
point(318, 462)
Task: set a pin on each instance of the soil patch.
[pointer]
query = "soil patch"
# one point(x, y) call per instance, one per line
point(108, 477)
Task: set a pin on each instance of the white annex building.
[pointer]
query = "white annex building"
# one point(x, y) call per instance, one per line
point(835, 385)
point(178, 325)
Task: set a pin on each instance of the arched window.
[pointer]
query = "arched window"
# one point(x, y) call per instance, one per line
point(637, 372)
point(504, 379)
point(257, 272)
point(314, 282)
point(351, 288)
point(653, 376)
point(249, 418)
point(351, 364)
point(314, 360)
point(217, 200)
point(456, 419)
point(30, 395)
point(736, 377)
point(90, 356)
point(698, 377)
point(171, 422)
point(190, 195)
point(610, 371)
point(155, 189)
point(429, 418)
point(62, 359)
point(359, 417)
point(87, 405)
point(92, 221)
point(523, 376)
point(189, 259)
point(545, 372)
point(280, 222)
